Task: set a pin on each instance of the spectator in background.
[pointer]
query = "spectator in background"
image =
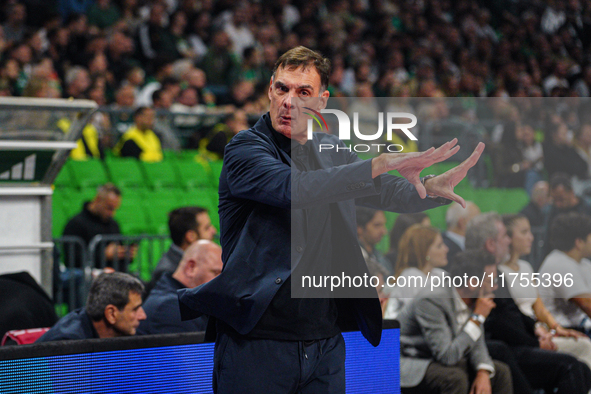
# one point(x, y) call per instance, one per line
point(103, 14)
point(560, 156)
point(487, 232)
point(563, 200)
point(14, 28)
point(186, 225)
point(214, 143)
point(113, 309)
point(422, 252)
point(219, 63)
point(569, 301)
point(97, 218)
point(153, 38)
point(527, 298)
point(121, 117)
point(456, 221)
point(536, 210)
point(442, 341)
point(201, 262)
point(139, 140)
point(533, 157)
point(582, 144)
point(402, 223)
point(162, 101)
point(24, 304)
point(77, 82)
point(371, 228)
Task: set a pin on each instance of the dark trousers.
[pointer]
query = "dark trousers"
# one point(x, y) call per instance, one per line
point(253, 366)
point(500, 351)
point(457, 379)
point(554, 372)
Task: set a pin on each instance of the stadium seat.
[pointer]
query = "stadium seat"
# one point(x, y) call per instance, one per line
point(193, 174)
point(159, 204)
point(125, 172)
point(23, 337)
point(89, 173)
point(161, 174)
point(65, 178)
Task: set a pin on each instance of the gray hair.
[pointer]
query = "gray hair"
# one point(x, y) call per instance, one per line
point(455, 212)
point(72, 74)
point(481, 228)
point(111, 289)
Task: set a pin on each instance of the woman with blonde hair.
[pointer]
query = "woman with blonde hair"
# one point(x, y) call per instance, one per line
point(421, 254)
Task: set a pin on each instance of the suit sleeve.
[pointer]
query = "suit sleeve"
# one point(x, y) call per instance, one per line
point(255, 173)
point(446, 349)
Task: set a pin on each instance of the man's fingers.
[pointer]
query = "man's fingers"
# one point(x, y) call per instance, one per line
point(420, 188)
point(473, 159)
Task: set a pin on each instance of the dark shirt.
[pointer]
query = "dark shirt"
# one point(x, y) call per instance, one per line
point(87, 225)
point(534, 214)
point(23, 304)
point(75, 325)
point(289, 318)
point(563, 158)
point(162, 310)
point(167, 263)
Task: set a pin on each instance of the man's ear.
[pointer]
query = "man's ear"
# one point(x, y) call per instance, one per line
point(270, 87)
point(323, 99)
point(489, 245)
point(191, 236)
point(190, 266)
point(111, 314)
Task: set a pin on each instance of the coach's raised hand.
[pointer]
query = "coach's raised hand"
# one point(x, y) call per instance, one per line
point(410, 165)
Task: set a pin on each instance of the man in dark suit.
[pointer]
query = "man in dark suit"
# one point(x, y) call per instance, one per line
point(201, 262)
point(456, 221)
point(282, 205)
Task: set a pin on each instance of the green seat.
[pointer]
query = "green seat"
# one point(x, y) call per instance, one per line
point(131, 215)
point(160, 203)
point(65, 178)
point(125, 172)
point(89, 173)
point(193, 174)
point(160, 174)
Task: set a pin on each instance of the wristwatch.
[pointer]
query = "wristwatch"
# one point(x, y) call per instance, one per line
point(479, 318)
point(437, 199)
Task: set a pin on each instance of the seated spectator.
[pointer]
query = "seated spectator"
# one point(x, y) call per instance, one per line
point(139, 140)
point(97, 218)
point(560, 156)
point(402, 223)
point(536, 210)
point(535, 350)
point(487, 232)
point(214, 143)
point(103, 14)
point(186, 225)
point(88, 146)
point(371, 228)
point(441, 338)
point(533, 156)
point(421, 252)
point(563, 200)
point(201, 262)
point(526, 296)
point(113, 309)
point(569, 302)
point(24, 304)
point(456, 221)
point(582, 144)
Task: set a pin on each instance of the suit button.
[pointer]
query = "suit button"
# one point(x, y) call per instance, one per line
point(299, 249)
point(278, 280)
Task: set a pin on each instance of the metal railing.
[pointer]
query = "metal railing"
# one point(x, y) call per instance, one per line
point(76, 264)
